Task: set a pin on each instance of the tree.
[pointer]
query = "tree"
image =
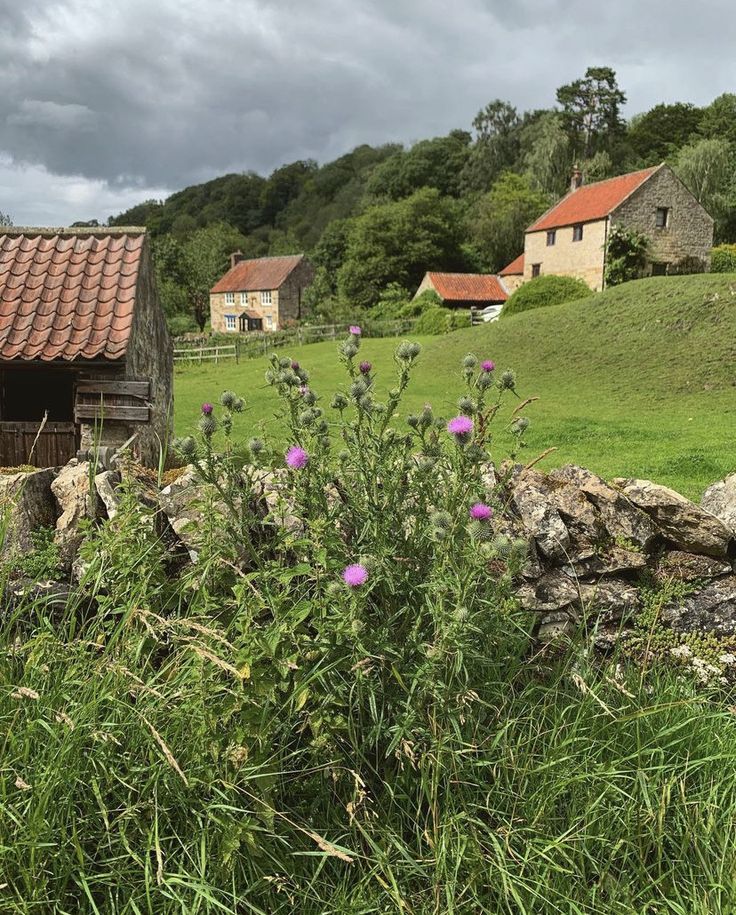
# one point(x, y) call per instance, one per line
point(429, 163)
point(663, 130)
point(496, 148)
point(499, 219)
point(398, 242)
point(719, 119)
point(5, 219)
point(591, 109)
point(546, 154)
point(707, 167)
point(626, 255)
point(198, 263)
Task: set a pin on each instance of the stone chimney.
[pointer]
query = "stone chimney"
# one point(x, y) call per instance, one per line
point(235, 258)
point(577, 178)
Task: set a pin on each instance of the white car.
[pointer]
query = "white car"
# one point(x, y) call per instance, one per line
point(491, 313)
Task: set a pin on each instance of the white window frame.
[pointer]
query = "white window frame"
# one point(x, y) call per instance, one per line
point(229, 298)
point(266, 297)
point(269, 322)
point(231, 322)
point(243, 298)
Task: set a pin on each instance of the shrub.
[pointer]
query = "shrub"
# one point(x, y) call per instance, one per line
point(425, 301)
point(544, 291)
point(436, 320)
point(687, 266)
point(626, 255)
point(723, 259)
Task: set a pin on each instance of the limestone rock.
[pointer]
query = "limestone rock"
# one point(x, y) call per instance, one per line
point(553, 591)
point(76, 502)
point(611, 561)
point(106, 484)
point(555, 626)
point(612, 598)
point(690, 527)
point(617, 516)
point(531, 498)
point(691, 567)
point(182, 503)
point(713, 609)
point(720, 500)
point(26, 504)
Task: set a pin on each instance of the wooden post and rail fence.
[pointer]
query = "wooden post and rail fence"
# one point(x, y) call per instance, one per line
point(254, 344)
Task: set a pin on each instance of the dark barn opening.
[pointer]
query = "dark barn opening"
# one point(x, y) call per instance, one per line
point(28, 394)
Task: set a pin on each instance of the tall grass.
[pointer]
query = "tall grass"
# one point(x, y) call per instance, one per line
point(249, 734)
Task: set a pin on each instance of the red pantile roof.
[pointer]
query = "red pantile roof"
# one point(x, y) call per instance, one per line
point(592, 201)
point(515, 268)
point(67, 293)
point(261, 273)
point(468, 287)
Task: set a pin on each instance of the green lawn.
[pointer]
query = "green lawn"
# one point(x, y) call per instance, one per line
point(638, 380)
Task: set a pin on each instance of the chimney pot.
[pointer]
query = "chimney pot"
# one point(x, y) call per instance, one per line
point(235, 258)
point(577, 178)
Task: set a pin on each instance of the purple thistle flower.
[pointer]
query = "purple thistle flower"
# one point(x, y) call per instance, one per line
point(480, 511)
point(460, 426)
point(365, 368)
point(355, 330)
point(297, 457)
point(295, 366)
point(488, 365)
point(304, 389)
point(207, 408)
point(355, 575)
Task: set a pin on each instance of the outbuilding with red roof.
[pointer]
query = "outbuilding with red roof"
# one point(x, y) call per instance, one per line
point(570, 238)
point(465, 290)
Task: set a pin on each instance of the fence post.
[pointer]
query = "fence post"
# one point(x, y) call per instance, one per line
point(237, 352)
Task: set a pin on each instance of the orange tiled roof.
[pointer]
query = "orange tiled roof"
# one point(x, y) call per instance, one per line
point(261, 273)
point(67, 294)
point(592, 201)
point(516, 267)
point(468, 287)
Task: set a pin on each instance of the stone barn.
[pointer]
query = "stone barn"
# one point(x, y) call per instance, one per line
point(85, 355)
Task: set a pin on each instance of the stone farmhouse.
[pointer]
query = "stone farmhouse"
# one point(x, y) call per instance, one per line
point(85, 355)
point(465, 290)
point(261, 294)
point(570, 238)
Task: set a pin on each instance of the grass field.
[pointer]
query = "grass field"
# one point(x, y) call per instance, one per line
point(638, 380)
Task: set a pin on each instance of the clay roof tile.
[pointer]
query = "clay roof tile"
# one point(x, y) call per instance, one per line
point(67, 294)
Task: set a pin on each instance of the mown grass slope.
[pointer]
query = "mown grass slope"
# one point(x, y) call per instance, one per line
point(637, 380)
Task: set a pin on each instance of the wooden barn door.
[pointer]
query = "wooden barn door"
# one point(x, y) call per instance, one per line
point(40, 445)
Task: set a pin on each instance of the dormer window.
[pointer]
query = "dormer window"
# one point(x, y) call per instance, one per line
point(551, 237)
point(663, 217)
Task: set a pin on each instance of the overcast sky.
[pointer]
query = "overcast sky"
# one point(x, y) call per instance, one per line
point(105, 104)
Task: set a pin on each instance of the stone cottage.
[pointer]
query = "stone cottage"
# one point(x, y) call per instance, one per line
point(465, 290)
point(570, 238)
point(85, 355)
point(261, 294)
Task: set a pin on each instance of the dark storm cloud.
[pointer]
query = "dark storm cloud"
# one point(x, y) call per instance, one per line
point(162, 93)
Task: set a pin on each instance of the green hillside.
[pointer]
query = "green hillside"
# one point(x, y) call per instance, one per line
point(637, 380)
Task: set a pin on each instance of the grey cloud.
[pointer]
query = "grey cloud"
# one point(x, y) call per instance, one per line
point(163, 93)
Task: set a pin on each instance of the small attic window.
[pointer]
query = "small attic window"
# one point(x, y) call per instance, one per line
point(577, 232)
point(663, 217)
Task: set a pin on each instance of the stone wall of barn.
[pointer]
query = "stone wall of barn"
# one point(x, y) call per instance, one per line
point(150, 356)
point(689, 229)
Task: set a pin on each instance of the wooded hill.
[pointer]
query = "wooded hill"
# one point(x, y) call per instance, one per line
point(378, 217)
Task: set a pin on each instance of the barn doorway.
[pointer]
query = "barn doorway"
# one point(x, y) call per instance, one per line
point(27, 394)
